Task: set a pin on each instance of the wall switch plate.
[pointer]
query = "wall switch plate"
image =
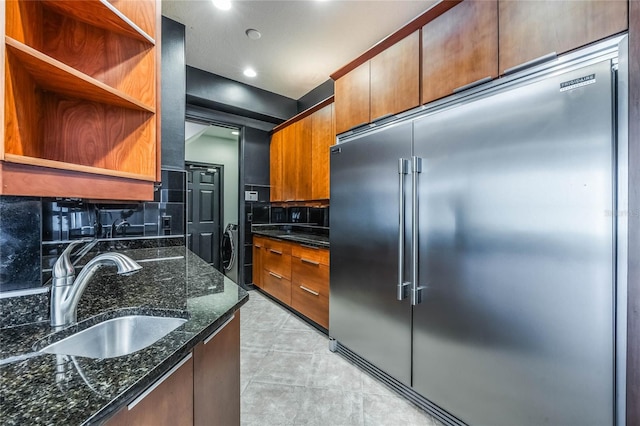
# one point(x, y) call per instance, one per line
point(251, 195)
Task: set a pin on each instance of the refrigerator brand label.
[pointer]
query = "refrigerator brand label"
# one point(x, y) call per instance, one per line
point(577, 82)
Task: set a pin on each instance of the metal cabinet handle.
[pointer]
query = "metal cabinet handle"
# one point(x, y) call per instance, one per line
point(315, 293)
point(158, 382)
point(275, 275)
point(403, 169)
point(416, 292)
point(302, 259)
point(275, 251)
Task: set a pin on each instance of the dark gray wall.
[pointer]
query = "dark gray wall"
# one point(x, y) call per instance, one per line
point(174, 83)
point(316, 95)
point(212, 91)
point(256, 157)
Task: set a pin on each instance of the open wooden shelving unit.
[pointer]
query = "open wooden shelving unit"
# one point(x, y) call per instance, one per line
point(81, 99)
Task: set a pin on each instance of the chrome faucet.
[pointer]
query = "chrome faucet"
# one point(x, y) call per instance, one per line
point(66, 289)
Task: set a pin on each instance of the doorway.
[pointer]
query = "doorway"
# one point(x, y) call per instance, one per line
point(212, 160)
point(204, 196)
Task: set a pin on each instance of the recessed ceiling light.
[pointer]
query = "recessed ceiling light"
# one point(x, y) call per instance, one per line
point(250, 72)
point(222, 4)
point(235, 132)
point(253, 34)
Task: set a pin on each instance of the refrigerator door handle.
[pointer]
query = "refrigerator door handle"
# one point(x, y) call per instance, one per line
point(416, 292)
point(403, 287)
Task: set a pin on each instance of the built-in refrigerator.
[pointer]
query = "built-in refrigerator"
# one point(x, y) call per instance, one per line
point(475, 247)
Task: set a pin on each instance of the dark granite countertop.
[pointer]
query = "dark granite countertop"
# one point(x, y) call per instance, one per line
point(56, 389)
point(313, 236)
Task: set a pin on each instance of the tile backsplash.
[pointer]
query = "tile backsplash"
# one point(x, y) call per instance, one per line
point(33, 231)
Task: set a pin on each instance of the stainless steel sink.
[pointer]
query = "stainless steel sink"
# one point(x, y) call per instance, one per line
point(116, 337)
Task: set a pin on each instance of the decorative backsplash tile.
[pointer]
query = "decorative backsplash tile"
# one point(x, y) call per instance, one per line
point(20, 231)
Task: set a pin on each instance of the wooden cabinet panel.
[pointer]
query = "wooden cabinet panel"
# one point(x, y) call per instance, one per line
point(352, 98)
point(277, 259)
point(303, 143)
point(310, 254)
point(216, 378)
point(275, 167)
point(170, 403)
point(289, 162)
point(310, 290)
point(323, 136)
point(530, 29)
point(459, 47)
point(311, 305)
point(258, 250)
point(395, 78)
point(277, 286)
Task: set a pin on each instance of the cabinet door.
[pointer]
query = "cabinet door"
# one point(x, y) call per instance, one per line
point(275, 167)
point(303, 144)
point(216, 381)
point(395, 78)
point(289, 162)
point(352, 98)
point(323, 136)
point(530, 29)
point(459, 47)
point(167, 402)
point(258, 247)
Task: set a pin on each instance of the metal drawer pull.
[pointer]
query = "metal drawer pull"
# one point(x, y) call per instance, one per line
point(158, 382)
point(275, 275)
point(315, 293)
point(219, 329)
point(309, 261)
point(275, 251)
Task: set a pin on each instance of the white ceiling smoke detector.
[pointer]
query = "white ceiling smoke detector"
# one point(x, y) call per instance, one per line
point(253, 34)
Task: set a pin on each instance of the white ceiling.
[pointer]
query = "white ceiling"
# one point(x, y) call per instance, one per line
point(303, 41)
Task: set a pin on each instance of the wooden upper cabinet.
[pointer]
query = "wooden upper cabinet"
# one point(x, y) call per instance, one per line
point(289, 162)
point(303, 143)
point(352, 98)
point(530, 29)
point(459, 47)
point(323, 137)
point(80, 99)
point(395, 78)
point(275, 167)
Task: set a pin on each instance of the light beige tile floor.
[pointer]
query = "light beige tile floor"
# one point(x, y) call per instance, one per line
point(289, 377)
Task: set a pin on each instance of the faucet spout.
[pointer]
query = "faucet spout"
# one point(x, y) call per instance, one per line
point(65, 294)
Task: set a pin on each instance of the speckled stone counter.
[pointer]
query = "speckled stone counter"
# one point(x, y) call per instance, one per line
point(49, 389)
point(313, 236)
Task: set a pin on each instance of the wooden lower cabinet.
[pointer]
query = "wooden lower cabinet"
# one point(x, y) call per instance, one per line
point(216, 379)
point(295, 274)
point(310, 290)
point(202, 389)
point(258, 249)
point(277, 286)
point(167, 402)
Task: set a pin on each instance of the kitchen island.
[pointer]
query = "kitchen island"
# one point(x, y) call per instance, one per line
point(38, 388)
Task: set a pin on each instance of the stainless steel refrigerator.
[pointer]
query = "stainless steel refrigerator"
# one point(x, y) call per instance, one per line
point(474, 247)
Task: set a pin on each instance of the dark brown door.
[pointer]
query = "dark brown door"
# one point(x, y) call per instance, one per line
point(204, 197)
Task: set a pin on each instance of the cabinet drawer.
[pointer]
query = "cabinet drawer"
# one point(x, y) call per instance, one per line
point(277, 286)
point(277, 262)
point(277, 246)
point(313, 306)
point(314, 277)
point(310, 254)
